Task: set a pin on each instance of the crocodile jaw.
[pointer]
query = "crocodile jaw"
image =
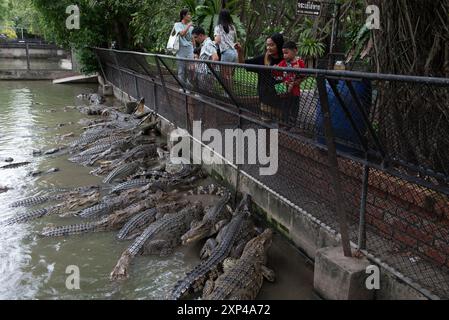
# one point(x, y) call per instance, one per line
point(196, 234)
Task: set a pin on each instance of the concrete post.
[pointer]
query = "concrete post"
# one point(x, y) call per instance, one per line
point(337, 277)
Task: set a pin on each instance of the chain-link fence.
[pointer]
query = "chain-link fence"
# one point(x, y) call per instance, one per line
point(366, 148)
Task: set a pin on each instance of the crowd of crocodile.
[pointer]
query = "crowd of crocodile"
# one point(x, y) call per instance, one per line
point(154, 204)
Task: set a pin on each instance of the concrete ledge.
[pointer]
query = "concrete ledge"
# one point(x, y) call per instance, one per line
point(80, 78)
point(34, 74)
point(337, 277)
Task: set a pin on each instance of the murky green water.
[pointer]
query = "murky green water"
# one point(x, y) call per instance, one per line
point(31, 117)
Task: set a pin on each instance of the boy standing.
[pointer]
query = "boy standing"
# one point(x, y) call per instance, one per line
point(291, 82)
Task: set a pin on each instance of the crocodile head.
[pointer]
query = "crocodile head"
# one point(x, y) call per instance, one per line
point(197, 233)
point(258, 246)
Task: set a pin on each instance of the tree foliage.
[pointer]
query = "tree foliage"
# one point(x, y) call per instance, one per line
point(3, 10)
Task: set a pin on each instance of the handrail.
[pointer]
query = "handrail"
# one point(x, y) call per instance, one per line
point(307, 71)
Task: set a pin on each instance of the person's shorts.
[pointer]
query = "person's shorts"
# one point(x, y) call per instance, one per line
point(229, 55)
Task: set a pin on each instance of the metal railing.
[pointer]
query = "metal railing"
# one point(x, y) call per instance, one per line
point(365, 154)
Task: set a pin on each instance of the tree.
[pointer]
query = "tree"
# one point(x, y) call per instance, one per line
point(22, 14)
point(3, 11)
point(414, 119)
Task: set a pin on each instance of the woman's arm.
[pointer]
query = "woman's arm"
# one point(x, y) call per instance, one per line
point(217, 36)
point(184, 32)
point(240, 52)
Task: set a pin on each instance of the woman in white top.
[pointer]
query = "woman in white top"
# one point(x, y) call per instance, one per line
point(184, 29)
point(226, 37)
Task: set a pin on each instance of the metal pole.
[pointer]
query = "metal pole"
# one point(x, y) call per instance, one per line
point(187, 124)
point(99, 62)
point(27, 49)
point(334, 33)
point(155, 104)
point(226, 89)
point(237, 104)
point(164, 86)
point(172, 74)
point(365, 119)
point(333, 167)
point(137, 88)
point(71, 58)
point(362, 218)
point(120, 72)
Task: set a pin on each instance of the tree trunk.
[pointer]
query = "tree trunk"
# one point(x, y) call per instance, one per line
point(414, 118)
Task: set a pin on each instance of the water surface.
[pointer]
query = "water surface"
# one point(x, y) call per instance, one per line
point(33, 115)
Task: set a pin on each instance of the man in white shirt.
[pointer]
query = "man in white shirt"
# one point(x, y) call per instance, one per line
point(208, 47)
point(204, 80)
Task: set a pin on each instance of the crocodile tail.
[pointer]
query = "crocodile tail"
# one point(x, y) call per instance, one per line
point(27, 216)
point(69, 230)
point(180, 289)
point(33, 201)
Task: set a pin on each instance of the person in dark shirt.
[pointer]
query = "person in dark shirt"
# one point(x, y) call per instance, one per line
point(266, 79)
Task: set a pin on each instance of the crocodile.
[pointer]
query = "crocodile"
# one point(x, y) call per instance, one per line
point(99, 209)
point(160, 238)
point(230, 239)
point(113, 138)
point(114, 221)
point(87, 139)
point(136, 183)
point(82, 192)
point(109, 154)
point(215, 218)
point(122, 171)
point(3, 189)
point(146, 150)
point(79, 199)
point(33, 215)
point(140, 221)
point(96, 99)
point(92, 110)
point(15, 165)
point(243, 278)
point(141, 151)
point(94, 154)
point(184, 177)
point(111, 203)
point(32, 201)
point(53, 150)
point(95, 135)
point(135, 223)
point(98, 148)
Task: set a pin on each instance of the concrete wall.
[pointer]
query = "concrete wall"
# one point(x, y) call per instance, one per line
point(299, 227)
point(34, 75)
point(36, 53)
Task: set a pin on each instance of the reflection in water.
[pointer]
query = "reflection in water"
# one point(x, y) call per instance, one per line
point(16, 137)
point(34, 267)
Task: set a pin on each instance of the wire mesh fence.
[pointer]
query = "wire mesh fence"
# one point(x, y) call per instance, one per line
point(390, 134)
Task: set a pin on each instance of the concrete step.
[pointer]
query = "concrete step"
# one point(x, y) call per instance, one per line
point(93, 78)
